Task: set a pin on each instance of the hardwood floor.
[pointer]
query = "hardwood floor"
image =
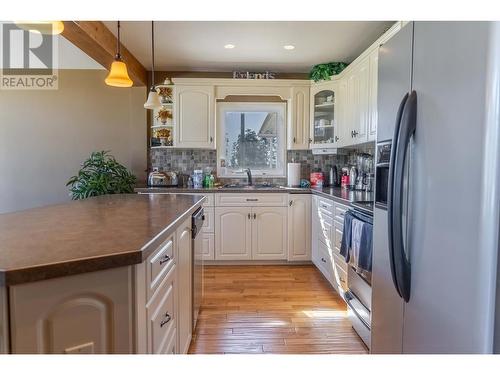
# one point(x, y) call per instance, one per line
point(272, 309)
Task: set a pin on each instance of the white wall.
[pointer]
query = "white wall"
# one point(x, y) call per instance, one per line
point(46, 135)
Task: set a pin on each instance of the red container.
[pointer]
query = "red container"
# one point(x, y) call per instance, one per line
point(345, 181)
point(317, 179)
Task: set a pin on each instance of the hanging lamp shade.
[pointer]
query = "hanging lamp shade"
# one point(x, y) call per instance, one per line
point(44, 27)
point(153, 101)
point(118, 74)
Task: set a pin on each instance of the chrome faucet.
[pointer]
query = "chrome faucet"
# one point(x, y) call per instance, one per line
point(249, 176)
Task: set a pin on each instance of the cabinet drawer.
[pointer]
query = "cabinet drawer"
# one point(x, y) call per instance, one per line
point(339, 211)
point(340, 261)
point(325, 232)
point(161, 315)
point(252, 199)
point(158, 264)
point(337, 232)
point(340, 277)
point(325, 206)
point(208, 224)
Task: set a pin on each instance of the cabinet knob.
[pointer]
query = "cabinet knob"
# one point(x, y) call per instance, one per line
point(336, 139)
point(167, 319)
point(293, 139)
point(255, 216)
point(211, 139)
point(310, 140)
point(290, 203)
point(249, 217)
point(323, 260)
point(165, 259)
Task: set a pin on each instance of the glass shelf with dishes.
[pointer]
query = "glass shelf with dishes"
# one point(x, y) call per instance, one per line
point(162, 122)
point(324, 117)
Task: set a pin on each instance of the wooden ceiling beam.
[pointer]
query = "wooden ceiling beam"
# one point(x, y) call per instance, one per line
point(97, 41)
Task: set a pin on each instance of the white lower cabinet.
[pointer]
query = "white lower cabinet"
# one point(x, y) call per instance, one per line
point(88, 313)
point(233, 233)
point(250, 233)
point(299, 227)
point(208, 246)
point(185, 296)
point(269, 233)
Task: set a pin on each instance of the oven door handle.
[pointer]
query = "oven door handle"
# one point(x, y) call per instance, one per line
point(390, 186)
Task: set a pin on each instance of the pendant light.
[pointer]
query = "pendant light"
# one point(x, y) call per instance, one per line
point(44, 27)
point(153, 101)
point(118, 75)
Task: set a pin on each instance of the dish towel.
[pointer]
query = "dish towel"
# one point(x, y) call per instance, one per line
point(345, 244)
point(357, 230)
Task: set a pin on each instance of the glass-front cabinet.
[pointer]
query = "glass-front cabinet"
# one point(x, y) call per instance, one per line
point(323, 115)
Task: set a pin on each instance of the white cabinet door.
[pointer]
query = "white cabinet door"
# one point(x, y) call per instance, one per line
point(323, 114)
point(184, 274)
point(86, 313)
point(195, 122)
point(233, 229)
point(298, 132)
point(343, 131)
point(208, 246)
point(361, 132)
point(373, 87)
point(269, 233)
point(299, 227)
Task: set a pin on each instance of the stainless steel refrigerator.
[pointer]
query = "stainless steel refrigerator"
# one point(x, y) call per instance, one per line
point(436, 216)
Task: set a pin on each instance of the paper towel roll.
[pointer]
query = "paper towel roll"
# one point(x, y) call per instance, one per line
point(293, 174)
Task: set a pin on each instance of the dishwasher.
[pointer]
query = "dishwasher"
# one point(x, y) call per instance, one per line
point(197, 261)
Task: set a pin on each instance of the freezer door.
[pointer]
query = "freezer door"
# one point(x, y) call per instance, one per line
point(395, 58)
point(394, 79)
point(448, 307)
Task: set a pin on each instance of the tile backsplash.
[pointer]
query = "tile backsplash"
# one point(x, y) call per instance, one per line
point(186, 160)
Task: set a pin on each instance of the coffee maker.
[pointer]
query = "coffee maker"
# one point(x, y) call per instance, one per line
point(365, 177)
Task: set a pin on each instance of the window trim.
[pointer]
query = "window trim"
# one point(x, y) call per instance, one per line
point(281, 109)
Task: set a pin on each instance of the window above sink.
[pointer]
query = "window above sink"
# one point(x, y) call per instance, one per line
point(253, 136)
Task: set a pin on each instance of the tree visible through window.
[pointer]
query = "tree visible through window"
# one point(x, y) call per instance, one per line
point(253, 139)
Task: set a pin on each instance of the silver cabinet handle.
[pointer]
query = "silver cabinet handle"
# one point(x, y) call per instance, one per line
point(165, 259)
point(167, 319)
point(290, 204)
point(252, 199)
point(293, 139)
point(324, 206)
point(323, 260)
point(211, 139)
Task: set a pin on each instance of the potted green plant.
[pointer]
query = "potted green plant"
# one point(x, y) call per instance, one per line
point(323, 72)
point(101, 174)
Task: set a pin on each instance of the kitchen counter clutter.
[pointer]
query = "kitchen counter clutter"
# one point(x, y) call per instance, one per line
point(110, 274)
point(343, 195)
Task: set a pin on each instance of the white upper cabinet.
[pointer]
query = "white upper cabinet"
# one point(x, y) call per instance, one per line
point(373, 87)
point(298, 132)
point(195, 119)
point(323, 114)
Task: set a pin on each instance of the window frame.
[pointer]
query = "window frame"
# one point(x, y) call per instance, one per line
point(281, 109)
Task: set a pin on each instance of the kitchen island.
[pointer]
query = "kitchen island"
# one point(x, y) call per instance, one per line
point(98, 276)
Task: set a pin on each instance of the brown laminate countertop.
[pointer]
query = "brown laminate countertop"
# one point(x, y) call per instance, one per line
point(89, 235)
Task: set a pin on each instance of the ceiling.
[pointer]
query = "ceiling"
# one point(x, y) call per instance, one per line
point(199, 45)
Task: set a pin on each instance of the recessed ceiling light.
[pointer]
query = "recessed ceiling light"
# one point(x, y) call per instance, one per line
point(289, 47)
point(229, 46)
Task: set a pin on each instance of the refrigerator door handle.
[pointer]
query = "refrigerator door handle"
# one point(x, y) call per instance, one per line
point(402, 264)
point(390, 188)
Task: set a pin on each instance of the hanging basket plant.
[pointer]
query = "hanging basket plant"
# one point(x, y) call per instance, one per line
point(323, 72)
